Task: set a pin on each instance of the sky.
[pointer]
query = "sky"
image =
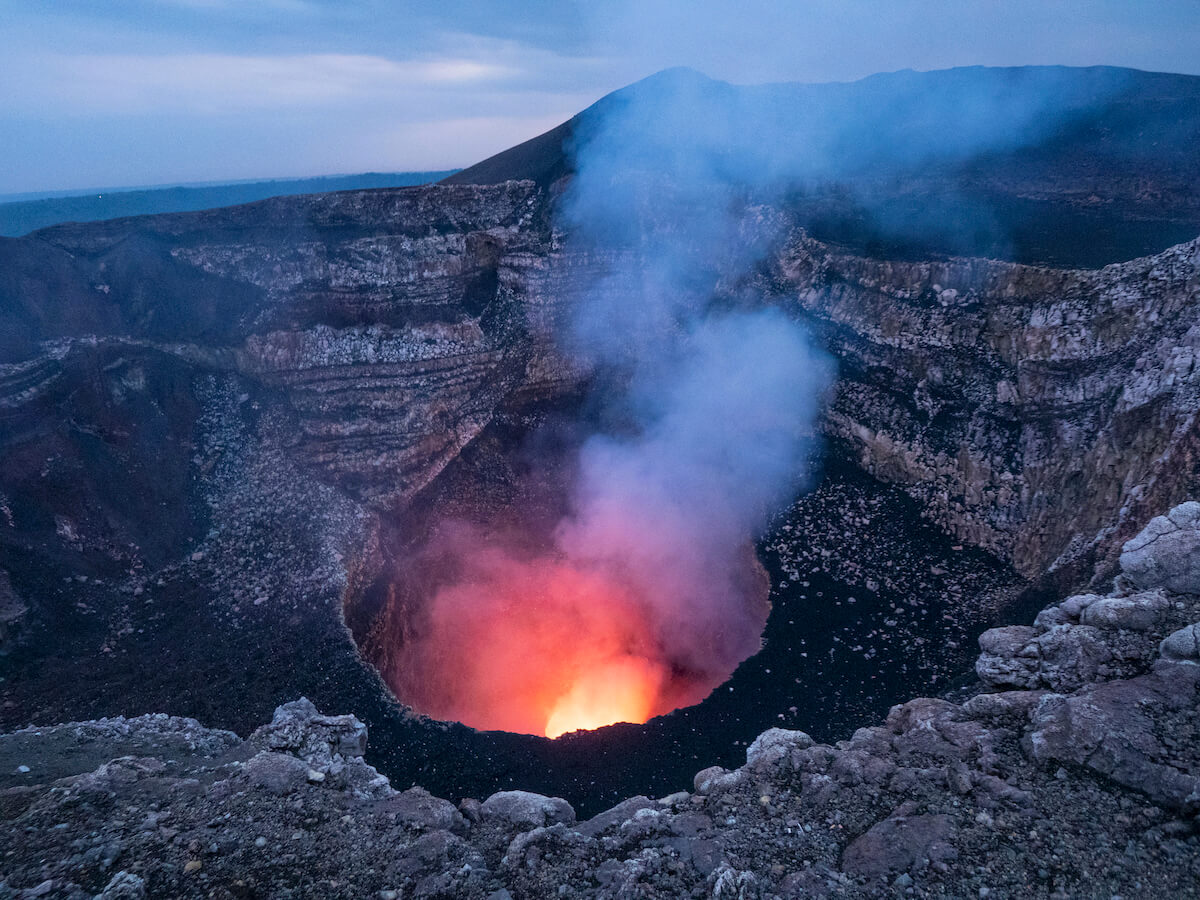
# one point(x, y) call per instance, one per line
point(144, 92)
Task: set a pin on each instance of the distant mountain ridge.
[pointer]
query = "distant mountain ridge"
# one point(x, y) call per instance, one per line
point(1039, 164)
point(21, 216)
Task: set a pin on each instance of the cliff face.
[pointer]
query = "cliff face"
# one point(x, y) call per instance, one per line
point(390, 320)
point(1038, 412)
point(1027, 409)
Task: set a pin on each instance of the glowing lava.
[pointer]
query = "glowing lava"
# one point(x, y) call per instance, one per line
point(536, 646)
point(539, 644)
point(504, 637)
point(622, 690)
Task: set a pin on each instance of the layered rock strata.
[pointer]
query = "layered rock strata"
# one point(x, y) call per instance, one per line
point(1042, 414)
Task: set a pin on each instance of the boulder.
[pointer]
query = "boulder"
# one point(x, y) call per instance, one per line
point(526, 810)
point(299, 728)
point(1114, 729)
point(1139, 612)
point(1166, 553)
point(418, 809)
point(1062, 658)
point(775, 744)
point(899, 844)
point(615, 817)
point(1182, 645)
point(331, 747)
point(715, 780)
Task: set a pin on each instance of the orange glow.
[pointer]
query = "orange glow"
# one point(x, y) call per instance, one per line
point(622, 690)
point(538, 647)
point(547, 646)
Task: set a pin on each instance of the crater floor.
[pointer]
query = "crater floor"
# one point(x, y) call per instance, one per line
point(1070, 770)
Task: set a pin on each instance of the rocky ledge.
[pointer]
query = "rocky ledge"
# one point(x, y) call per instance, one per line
point(1072, 769)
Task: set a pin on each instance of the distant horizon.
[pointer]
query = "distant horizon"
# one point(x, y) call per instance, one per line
point(66, 193)
point(135, 93)
point(56, 193)
point(33, 211)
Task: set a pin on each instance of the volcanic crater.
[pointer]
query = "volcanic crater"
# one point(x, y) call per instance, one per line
point(235, 442)
point(864, 609)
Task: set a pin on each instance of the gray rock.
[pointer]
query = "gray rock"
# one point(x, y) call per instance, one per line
point(1112, 728)
point(527, 810)
point(1074, 606)
point(1182, 645)
point(775, 744)
point(528, 849)
point(1139, 612)
point(1166, 553)
point(899, 844)
point(331, 747)
point(706, 777)
point(1003, 705)
point(300, 728)
point(437, 852)
point(1063, 658)
point(715, 780)
point(1006, 641)
point(121, 772)
point(279, 773)
point(123, 886)
point(727, 883)
point(417, 808)
point(1007, 658)
point(614, 817)
point(1068, 612)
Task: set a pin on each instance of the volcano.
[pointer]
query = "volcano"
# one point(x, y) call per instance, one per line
point(238, 443)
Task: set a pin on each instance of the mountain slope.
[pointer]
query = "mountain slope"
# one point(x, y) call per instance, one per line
point(1051, 165)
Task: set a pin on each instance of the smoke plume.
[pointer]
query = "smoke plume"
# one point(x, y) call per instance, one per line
point(647, 593)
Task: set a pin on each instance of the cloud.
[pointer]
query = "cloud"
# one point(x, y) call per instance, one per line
point(305, 77)
point(208, 83)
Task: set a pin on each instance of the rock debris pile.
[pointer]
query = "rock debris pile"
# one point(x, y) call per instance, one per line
point(1073, 770)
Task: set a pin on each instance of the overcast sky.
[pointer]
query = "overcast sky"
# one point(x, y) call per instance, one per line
point(140, 92)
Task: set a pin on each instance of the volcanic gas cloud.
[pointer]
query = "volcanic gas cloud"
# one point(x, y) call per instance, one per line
point(650, 595)
point(547, 645)
point(647, 594)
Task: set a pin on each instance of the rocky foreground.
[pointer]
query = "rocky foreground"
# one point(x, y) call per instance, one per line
point(1073, 770)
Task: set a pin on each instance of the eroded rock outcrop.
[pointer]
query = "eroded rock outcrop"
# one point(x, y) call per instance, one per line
point(1041, 413)
point(1167, 552)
